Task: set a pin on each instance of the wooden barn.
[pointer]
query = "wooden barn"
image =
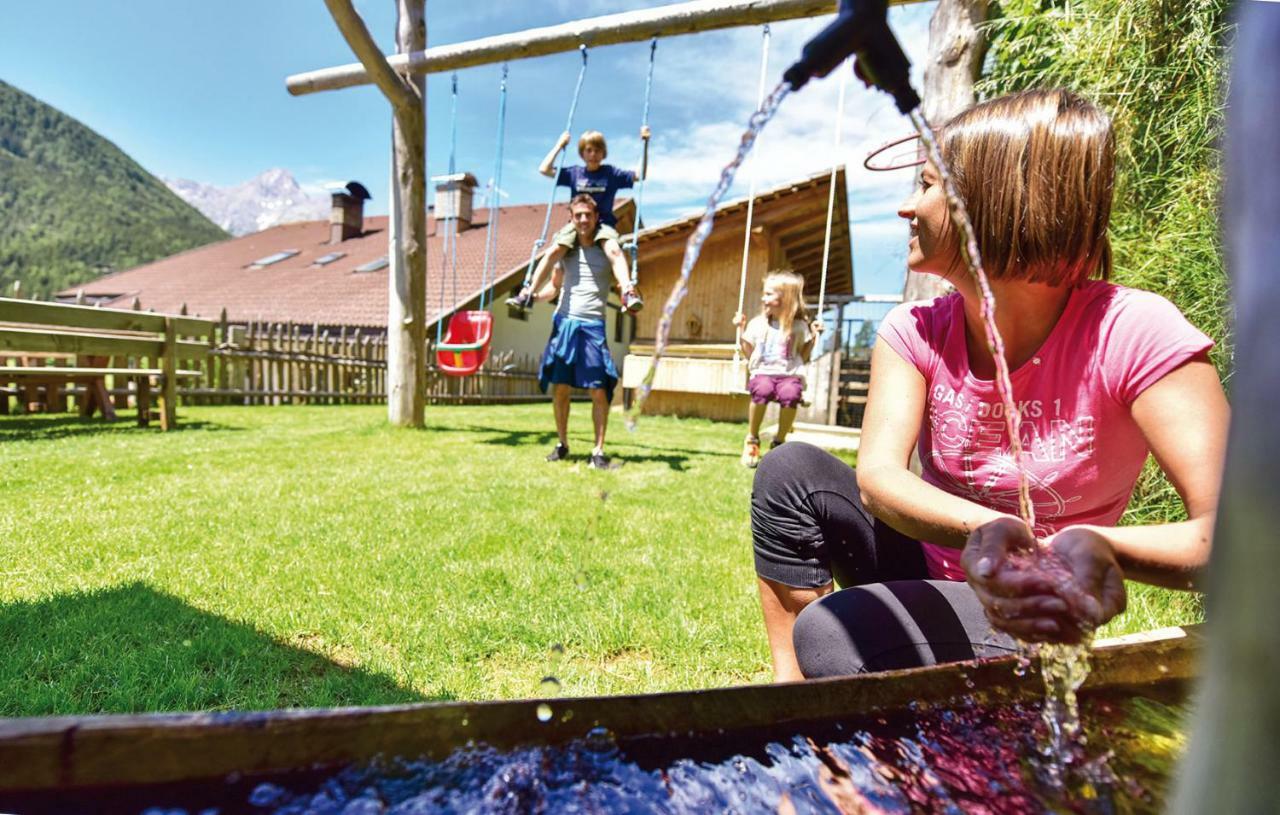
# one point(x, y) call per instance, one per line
point(698, 375)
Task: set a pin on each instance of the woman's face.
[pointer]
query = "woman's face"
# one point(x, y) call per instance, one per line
point(933, 246)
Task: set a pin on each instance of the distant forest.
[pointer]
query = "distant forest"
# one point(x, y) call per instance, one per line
point(73, 206)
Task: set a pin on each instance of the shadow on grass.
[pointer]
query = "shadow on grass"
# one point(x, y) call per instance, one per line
point(131, 649)
point(512, 438)
point(46, 427)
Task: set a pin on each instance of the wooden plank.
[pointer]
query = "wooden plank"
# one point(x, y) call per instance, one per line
point(64, 314)
point(70, 341)
point(61, 753)
point(169, 385)
point(42, 340)
point(37, 372)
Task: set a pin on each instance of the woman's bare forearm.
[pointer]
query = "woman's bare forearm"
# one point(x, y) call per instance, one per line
point(918, 509)
point(1172, 555)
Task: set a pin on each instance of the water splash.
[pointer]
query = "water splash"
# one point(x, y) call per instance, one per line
point(693, 247)
point(939, 761)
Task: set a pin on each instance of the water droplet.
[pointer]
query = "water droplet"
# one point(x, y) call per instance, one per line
point(555, 655)
point(969, 683)
point(566, 716)
point(580, 579)
point(465, 721)
point(604, 495)
point(544, 712)
point(550, 686)
point(1162, 668)
point(599, 740)
point(186, 643)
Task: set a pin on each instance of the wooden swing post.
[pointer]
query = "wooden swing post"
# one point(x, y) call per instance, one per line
point(407, 255)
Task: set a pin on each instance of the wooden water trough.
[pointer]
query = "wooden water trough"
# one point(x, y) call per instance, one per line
point(46, 762)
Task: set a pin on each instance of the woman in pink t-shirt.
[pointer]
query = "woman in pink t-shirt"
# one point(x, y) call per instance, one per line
point(1101, 374)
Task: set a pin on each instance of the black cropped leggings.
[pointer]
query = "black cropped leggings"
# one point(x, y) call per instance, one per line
point(808, 527)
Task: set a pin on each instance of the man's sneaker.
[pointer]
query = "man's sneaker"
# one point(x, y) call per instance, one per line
point(599, 461)
point(522, 301)
point(631, 301)
point(751, 452)
point(560, 453)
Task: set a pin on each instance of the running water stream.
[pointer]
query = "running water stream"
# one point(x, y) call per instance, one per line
point(1064, 667)
point(693, 247)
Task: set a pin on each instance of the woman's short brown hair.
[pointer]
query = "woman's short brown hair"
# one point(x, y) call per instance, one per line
point(1036, 171)
point(593, 138)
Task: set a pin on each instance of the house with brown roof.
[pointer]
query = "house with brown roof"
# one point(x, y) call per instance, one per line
point(335, 273)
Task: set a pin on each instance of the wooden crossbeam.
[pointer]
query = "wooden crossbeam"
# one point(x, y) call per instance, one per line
point(611, 29)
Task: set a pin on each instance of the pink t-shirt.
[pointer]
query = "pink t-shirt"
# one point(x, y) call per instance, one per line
point(1082, 447)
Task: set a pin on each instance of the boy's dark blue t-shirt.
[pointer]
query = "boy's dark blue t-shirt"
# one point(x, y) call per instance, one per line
point(602, 185)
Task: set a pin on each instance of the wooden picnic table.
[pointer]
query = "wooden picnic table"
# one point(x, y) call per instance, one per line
point(81, 369)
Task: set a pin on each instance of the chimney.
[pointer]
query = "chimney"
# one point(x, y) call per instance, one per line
point(453, 198)
point(346, 216)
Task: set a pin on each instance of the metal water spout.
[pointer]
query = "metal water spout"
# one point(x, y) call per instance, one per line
point(861, 30)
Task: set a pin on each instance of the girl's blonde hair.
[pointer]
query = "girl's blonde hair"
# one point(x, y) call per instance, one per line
point(1036, 171)
point(790, 288)
point(593, 138)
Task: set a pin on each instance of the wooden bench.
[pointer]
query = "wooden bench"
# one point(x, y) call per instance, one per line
point(129, 346)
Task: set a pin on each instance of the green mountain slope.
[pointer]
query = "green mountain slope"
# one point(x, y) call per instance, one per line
point(73, 205)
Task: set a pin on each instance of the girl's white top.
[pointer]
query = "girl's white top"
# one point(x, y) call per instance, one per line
point(773, 352)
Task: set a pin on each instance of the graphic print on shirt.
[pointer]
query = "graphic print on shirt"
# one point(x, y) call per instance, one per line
point(775, 350)
point(971, 452)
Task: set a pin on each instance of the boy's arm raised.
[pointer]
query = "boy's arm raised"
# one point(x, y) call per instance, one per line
point(548, 165)
point(643, 173)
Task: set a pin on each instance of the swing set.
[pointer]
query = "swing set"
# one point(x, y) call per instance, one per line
point(464, 346)
point(741, 374)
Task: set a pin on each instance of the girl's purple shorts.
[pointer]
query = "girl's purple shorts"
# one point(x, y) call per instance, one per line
point(787, 391)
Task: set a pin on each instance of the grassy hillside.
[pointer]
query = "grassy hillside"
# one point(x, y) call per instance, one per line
point(74, 205)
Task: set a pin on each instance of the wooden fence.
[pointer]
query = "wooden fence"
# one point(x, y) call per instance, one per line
point(291, 364)
point(287, 363)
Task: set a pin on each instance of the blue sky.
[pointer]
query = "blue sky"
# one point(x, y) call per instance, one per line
point(196, 90)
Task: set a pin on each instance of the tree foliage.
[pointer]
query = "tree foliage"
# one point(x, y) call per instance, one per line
point(74, 205)
point(1158, 67)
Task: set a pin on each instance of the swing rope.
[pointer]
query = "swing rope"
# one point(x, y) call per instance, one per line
point(450, 249)
point(831, 196)
point(633, 246)
point(546, 220)
point(751, 204)
point(495, 187)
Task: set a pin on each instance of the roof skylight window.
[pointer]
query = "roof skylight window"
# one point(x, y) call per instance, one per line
point(276, 258)
point(325, 260)
point(373, 265)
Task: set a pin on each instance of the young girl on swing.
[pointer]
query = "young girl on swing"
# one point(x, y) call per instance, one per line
point(777, 343)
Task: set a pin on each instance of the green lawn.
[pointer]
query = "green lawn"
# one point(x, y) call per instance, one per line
point(268, 557)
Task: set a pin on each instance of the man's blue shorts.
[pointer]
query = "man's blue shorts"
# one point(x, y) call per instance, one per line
point(578, 355)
